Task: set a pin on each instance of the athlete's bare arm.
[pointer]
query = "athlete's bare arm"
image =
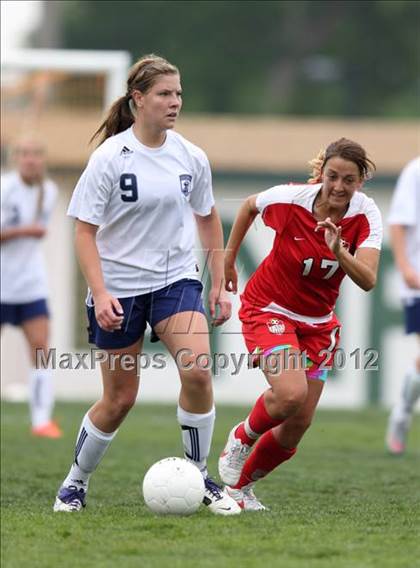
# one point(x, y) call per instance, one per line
point(35, 230)
point(362, 268)
point(243, 221)
point(108, 310)
point(211, 237)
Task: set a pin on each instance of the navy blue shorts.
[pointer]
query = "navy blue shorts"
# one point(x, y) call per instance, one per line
point(412, 315)
point(181, 296)
point(16, 314)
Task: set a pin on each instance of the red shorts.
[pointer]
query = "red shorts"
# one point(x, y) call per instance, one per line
point(266, 333)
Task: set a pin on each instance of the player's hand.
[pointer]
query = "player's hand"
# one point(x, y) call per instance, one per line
point(411, 278)
point(35, 230)
point(332, 234)
point(231, 277)
point(108, 311)
point(219, 299)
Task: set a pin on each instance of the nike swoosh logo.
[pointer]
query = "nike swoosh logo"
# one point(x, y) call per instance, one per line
point(299, 238)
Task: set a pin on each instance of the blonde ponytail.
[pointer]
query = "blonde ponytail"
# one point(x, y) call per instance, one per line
point(316, 165)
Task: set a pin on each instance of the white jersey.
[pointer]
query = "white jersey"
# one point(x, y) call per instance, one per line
point(23, 271)
point(143, 200)
point(405, 210)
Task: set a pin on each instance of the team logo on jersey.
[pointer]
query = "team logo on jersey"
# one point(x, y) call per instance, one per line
point(14, 216)
point(185, 181)
point(126, 151)
point(276, 326)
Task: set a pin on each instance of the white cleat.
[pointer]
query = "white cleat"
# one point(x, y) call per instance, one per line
point(218, 501)
point(70, 500)
point(233, 458)
point(245, 497)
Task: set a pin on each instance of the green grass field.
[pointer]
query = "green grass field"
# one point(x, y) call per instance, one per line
point(342, 502)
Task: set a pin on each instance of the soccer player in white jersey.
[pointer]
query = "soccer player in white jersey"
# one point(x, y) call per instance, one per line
point(324, 230)
point(27, 199)
point(137, 205)
point(404, 221)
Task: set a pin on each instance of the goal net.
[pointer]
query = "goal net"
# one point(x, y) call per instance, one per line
point(54, 91)
point(60, 96)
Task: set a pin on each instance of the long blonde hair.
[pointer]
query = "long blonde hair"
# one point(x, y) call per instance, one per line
point(142, 76)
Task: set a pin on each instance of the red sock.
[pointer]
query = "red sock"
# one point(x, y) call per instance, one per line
point(258, 422)
point(266, 456)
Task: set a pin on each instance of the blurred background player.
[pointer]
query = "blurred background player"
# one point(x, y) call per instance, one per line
point(404, 221)
point(137, 206)
point(325, 230)
point(27, 200)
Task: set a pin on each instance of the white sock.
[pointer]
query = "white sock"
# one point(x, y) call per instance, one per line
point(91, 446)
point(249, 431)
point(197, 433)
point(411, 390)
point(41, 396)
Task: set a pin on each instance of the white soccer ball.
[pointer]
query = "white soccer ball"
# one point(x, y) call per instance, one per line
point(173, 486)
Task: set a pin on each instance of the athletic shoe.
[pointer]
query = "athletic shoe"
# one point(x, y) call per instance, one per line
point(396, 436)
point(245, 497)
point(70, 499)
point(233, 458)
point(48, 430)
point(218, 501)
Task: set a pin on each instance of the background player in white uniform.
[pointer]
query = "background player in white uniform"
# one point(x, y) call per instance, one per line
point(27, 199)
point(137, 206)
point(404, 220)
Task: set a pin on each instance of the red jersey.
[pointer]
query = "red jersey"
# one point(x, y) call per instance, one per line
point(301, 277)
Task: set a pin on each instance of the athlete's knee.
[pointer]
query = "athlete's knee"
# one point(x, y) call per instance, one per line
point(197, 379)
point(287, 404)
point(38, 354)
point(39, 343)
point(119, 405)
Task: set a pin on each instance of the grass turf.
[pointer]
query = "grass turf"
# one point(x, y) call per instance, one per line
point(342, 502)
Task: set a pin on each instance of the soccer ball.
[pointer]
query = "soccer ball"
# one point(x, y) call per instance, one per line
point(173, 486)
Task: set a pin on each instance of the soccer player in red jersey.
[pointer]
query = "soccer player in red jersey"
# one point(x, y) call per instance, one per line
point(324, 230)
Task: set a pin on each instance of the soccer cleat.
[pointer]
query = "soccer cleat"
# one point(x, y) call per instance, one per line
point(218, 501)
point(233, 458)
point(396, 436)
point(245, 497)
point(48, 430)
point(70, 500)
